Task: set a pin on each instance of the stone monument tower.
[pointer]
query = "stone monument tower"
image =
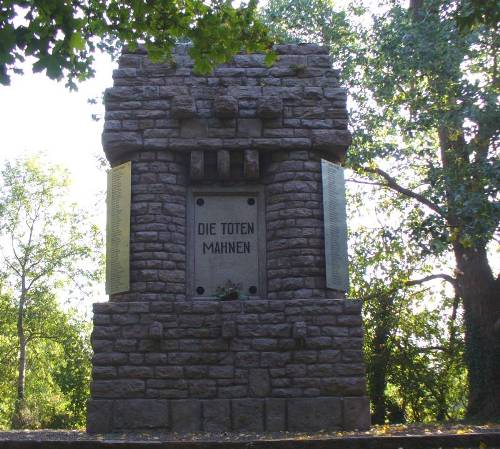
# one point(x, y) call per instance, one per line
point(226, 258)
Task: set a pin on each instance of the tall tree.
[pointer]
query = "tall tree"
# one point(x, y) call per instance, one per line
point(57, 368)
point(46, 245)
point(62, 35)
point(436, 115)
point(425, 121)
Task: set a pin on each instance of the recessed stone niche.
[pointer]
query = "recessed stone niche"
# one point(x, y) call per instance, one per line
point(227, 185)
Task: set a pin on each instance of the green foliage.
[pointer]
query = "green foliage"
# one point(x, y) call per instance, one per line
point(63, 35)
point(314, 21)
point(58, 371)
point(414, 336)
point(425, 136)
point(419, 95)
point(49, 250)
point(475, 13)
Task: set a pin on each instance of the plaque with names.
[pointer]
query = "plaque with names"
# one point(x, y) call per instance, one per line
point(335, 222)
point(118, 229)
point(225, 243)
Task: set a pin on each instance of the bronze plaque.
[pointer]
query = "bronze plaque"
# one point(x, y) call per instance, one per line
point(118, 229)
point(335, 221)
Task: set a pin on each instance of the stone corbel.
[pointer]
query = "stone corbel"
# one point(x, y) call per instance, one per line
point(197, 164)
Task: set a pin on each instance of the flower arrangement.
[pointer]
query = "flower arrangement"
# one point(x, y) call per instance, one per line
point(229, 290)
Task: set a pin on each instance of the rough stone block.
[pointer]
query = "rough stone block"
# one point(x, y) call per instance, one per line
point(183, 107)
point(102, 345)
point(349, 320)
point(251, 164)
point(225, 106)
point(299, 330)
point(270, 107)
point(135, 372)
point(104, 372)
point(344, 386)
point(356, 413)
point(117, 388)
point(203, 389)
point(229, 329)
point(353, 306)
point(274, 359)
point(236, 391)
point(331, 140)
point(248, 415)
point(223, 164)
point(259, 383)
point(135, 414)
point(221, 372)
point(99, 416)
point(197, 164)
point(314, 414)
point(169, 372)
point(121, 142)
point(194, 128)
point(329, 356)
point(156, 330)
point(216, 415)
point(186, 415)
point(275, 415)
point(248, 127)
point(109, 358)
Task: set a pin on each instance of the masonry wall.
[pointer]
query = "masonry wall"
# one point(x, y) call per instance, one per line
point(157, 227)
point(295, 228)
point(291, 360)
point(228, 365)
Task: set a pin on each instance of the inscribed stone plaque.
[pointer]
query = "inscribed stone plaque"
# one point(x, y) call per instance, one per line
point(118, 229)
point(334, 208)
point(225, 243)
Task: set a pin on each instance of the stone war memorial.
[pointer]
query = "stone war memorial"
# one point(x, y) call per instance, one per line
point(227, 250)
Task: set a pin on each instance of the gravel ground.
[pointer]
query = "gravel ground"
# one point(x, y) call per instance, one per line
point(387, 430)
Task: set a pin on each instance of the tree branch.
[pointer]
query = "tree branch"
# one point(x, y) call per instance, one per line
point(34, 336)
point(394, 185)
point(358, 181)
point(431, 277)
point(412, 282)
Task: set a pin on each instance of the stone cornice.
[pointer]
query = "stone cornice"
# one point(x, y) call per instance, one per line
point(243, 105)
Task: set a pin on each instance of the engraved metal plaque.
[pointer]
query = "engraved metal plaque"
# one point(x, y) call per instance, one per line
point(226, 229)
point(335, 220)
point(118, 229)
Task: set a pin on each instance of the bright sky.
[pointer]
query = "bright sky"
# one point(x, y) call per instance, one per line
point(38, 114)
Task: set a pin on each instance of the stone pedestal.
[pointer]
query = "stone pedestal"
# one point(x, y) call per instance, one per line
point(247, 143)
point(253, 365)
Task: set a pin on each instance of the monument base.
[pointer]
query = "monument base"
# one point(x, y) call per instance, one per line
point(216, 366)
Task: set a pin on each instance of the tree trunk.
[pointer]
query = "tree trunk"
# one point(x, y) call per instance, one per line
point(21, 368)
point(481, 299)
point(378, 376)
point(377, 369)
point(477, 287)
point(21, 377)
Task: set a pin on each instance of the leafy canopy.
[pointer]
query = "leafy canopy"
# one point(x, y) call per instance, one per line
point(48, 250)
point(61, 36)
point(58, 366)
point(424, 115)
point(46, 242)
